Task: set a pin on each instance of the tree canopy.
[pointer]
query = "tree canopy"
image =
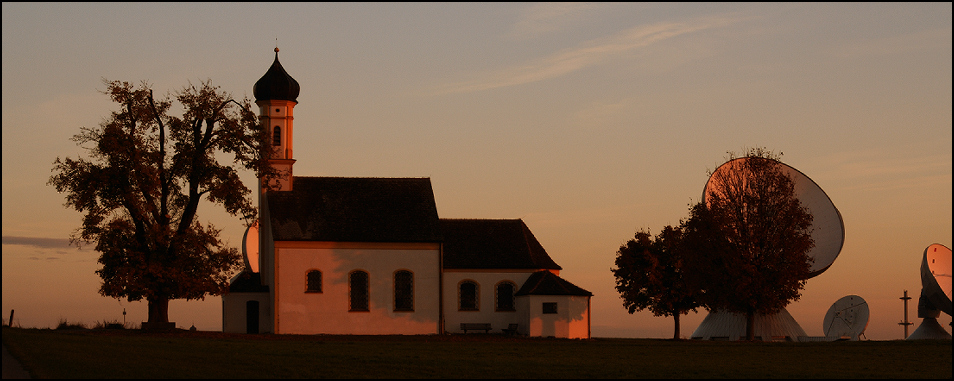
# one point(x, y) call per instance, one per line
point(140, 189)
point(650, 274)
point(747, 243)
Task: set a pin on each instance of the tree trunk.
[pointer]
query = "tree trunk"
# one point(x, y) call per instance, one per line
point(158, 310)
point(750, 325)
point(675, 335)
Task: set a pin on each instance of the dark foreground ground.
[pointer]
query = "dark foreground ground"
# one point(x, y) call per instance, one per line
point(48, 353)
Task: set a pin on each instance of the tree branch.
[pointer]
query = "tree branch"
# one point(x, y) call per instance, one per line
point(135, 159)
point(163, 186)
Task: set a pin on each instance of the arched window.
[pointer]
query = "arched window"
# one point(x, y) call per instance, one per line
point(277, 136)
point(358, 281)
point(403, 291)
point(504, 296)
point(467, 296)
point(314, 281)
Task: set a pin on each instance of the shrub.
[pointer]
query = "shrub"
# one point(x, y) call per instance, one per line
point(67, 325)
point(109, 325)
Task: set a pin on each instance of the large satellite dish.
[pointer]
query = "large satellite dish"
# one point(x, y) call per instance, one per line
point(935, 292)
point(828, 228)
point(250, 247)
point(936, 276)
point(846, 318)
point(828, 232)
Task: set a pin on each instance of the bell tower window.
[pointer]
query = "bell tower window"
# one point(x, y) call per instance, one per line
point(277, 136)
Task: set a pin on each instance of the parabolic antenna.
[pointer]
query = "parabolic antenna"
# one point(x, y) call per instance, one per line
point(936, 277)
point(250, 247)
point(828, 232)
point(828, 228)
point(935, 292)
point(846, 318)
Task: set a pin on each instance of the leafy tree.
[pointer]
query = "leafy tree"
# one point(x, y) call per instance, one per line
point(650, 274)
point(141, 186)
point(748, 243)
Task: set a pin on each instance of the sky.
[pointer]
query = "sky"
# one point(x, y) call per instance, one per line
point(588, 121)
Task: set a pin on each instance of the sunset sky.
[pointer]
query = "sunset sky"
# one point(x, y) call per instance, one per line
point(588, 121)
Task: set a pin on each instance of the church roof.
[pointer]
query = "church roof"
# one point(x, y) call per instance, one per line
point(276, 84)
point(349, 209)
point(247, 281)
point(492, 244)
point(547, 283)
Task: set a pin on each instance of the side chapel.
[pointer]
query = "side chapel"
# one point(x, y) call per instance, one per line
point(370, 256)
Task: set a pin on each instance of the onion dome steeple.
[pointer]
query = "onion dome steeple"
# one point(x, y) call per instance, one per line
point(276, 95)
point(276, 84)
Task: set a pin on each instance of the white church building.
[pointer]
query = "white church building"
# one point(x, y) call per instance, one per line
point(370, 256)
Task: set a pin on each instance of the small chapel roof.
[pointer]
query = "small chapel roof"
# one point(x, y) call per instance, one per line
point(547, 283)
point(247, 281)
point(276, 84)
point(492, 244)
point(350, 209)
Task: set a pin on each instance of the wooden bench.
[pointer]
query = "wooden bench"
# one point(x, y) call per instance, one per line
point(475, 327)
point(510, 330)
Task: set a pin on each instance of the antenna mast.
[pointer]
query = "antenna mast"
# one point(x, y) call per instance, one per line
point(905, 323)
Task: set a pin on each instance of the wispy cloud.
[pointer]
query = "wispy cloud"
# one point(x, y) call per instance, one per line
point(42, 243)
point(42, 249)
point(587, 55)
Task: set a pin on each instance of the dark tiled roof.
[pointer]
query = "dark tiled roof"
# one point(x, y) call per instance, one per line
point(547, 283)
point(247, 281)
point(492, 244)
point(350, 209)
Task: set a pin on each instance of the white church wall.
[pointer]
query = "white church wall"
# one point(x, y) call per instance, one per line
point(524, 313)
point(578, 317)
point(487, 281)
point(571, 319)
point(235, 314)
point(300, 312)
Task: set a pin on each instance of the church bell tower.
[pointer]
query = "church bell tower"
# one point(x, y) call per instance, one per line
point(276, 95)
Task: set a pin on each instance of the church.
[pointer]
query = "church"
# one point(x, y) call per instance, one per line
point(370, 256)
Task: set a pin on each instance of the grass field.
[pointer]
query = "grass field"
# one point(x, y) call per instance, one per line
point(115, 353)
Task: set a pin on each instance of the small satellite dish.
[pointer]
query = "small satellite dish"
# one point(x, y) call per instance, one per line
point(847, 317)
point(250, 247)
point(828, 228)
